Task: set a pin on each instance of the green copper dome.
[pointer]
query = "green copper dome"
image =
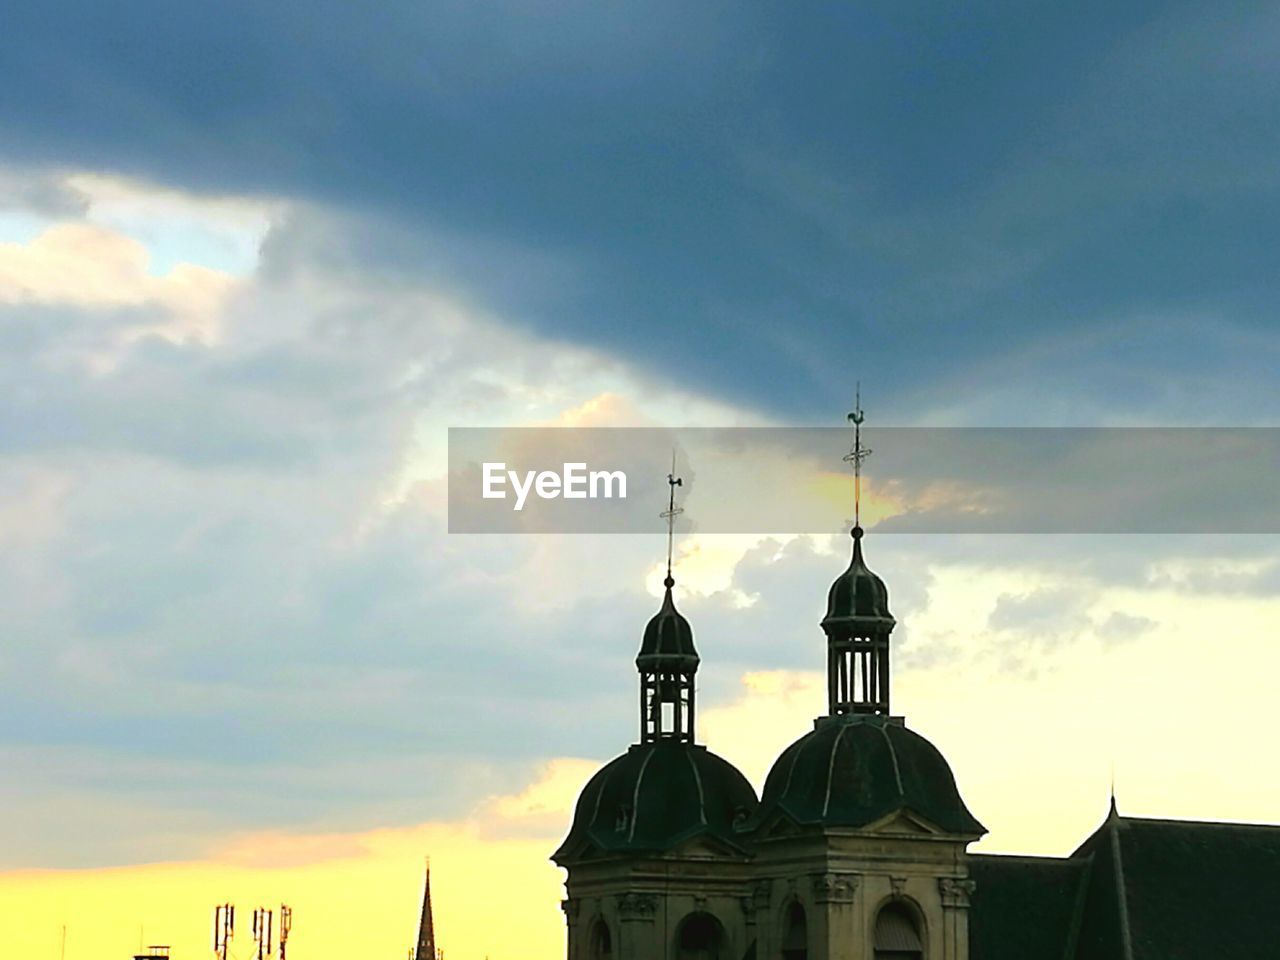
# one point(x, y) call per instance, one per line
point(654, 797)
point(858, 593)
point(668, 636)
point(856, 769)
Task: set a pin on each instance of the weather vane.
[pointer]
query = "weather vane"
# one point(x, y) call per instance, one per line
point(857, 454)
point(671, 513)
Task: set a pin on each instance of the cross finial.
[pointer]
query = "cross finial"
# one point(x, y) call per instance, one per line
point(857, 454)
point(670, 515)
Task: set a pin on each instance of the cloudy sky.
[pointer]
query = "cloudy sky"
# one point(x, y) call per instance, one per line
point(255, 259)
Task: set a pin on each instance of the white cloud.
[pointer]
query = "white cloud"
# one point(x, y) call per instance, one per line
point(85, 266)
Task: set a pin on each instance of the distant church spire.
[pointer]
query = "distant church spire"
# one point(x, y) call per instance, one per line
point(668, 659)
point(858, 621)
point(426, 927)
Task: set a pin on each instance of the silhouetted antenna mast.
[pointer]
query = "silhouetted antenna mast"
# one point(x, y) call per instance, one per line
point(672, 510)
point(262, 922)
point(857, 454)
point(224, 928)
point(286, 924)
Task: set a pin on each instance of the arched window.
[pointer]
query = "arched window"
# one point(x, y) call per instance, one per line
point(897, 937)
point(795, 933)
point(601, 941)
point(700, 938)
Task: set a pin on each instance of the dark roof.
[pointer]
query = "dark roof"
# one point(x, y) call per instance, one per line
point(653, 798)
point(858, 594)
point(1101, 933)
point(1137, 889)
point(668, 638)
point(1189, 889)
point(1024, 908)
point(855, 769)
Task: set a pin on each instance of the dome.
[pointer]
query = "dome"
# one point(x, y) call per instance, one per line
point(655, 796)
point(858, 593)
point(855, 769)
point(668, 636)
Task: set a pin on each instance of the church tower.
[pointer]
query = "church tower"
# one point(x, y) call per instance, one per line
point(860, 842)
point(657, 857)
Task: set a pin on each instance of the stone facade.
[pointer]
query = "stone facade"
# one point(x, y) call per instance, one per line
point(838, 882)
point(645, 905)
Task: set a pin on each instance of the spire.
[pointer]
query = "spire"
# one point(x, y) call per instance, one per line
point(426, 927)
point(668, 659)
point(857, 454)
point(858, 621)
point(670, 515)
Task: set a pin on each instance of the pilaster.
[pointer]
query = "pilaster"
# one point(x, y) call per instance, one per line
point(834, 918)
point(637, 913)
point(955, 893)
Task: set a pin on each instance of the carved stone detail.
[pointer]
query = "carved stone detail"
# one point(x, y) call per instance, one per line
point(956, 893)
point(899, 884)
point(761, 891)
point(834, 887)
point(637, 906)
point(571, 909)
point(755, 899)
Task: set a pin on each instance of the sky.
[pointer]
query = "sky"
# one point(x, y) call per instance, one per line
point(256, 259)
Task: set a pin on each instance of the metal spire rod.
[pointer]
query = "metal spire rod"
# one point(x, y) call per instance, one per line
point(857, 454)
point(671, 512)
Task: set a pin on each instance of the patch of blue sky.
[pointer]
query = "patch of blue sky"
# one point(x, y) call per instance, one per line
point(227, 245)
point(21, 226)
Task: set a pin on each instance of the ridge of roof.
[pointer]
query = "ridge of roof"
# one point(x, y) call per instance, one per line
point(1077, 910)
point(1122, 892)
point(1126, 820)
point(831, 767)
point(702, 794)
point(1026, 858)
point(635, 799)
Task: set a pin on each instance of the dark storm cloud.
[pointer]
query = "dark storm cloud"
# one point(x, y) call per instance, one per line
point(994, 195)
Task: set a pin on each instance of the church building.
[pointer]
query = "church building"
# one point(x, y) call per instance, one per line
point(858, 847)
